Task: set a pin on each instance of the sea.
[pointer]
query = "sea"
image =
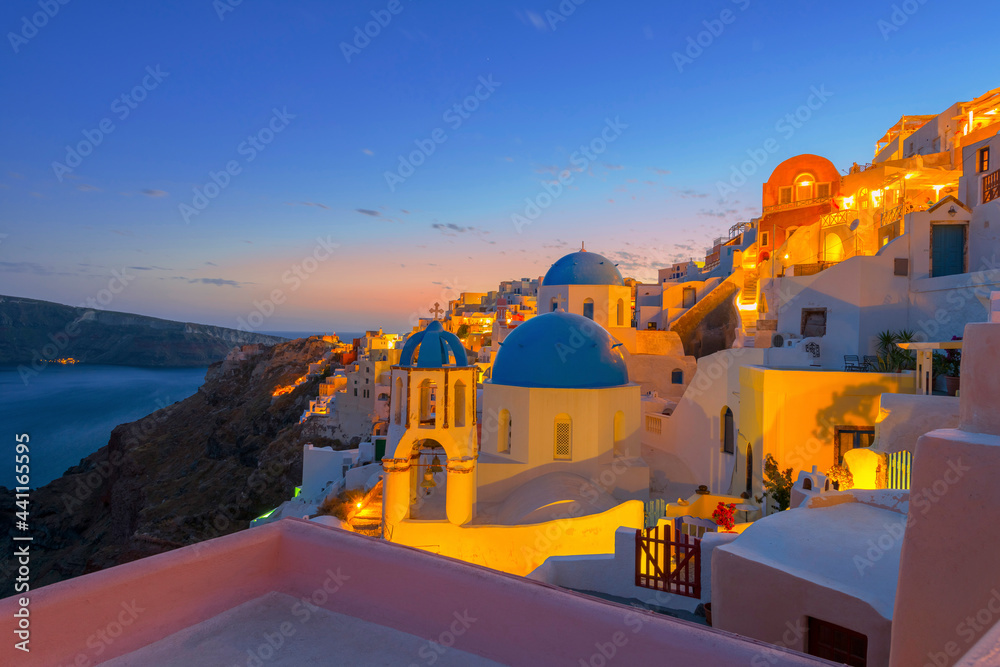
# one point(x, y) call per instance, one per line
point(69, 411)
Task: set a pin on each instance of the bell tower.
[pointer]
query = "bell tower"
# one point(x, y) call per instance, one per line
point(432, 406)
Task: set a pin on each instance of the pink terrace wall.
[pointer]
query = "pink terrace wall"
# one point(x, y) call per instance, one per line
point(949, 570)
point(517, 621)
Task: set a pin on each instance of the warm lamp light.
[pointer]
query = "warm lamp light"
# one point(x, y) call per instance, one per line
point(909, 176)
point(849, 202)
point(358, 505)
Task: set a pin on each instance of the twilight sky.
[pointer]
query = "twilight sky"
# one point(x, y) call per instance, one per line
point(303, 124)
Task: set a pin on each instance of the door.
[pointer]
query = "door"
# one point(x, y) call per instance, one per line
point(851, 437)
point(948, 254)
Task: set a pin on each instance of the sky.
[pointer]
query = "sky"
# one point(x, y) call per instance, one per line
point(306, 165)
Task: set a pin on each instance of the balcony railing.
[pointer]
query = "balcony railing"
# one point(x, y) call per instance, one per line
point(991, 186)
point(846, 216)
point(802, 203)
point(891, 215)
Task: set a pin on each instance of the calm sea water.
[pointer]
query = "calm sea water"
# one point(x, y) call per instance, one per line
point(70, 411)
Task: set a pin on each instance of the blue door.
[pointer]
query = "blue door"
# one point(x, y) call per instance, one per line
point(948, 257)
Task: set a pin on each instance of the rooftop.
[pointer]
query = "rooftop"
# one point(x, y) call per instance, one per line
point(369, 602)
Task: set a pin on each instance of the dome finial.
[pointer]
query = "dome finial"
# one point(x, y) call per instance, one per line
point(583, 247)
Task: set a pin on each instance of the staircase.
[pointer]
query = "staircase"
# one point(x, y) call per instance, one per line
point(368, 520)
point(748, 310)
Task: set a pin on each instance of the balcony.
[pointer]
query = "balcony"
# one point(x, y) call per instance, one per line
point(991, 186)
point(802, 203)
point(844, 217)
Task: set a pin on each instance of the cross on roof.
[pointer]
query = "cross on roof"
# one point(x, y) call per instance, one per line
point(436, 311)
point(560, 301)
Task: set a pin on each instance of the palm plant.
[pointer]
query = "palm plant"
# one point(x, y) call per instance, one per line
point(891, 357)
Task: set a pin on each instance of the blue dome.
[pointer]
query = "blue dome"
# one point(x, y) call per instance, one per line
point(560, 350)
point(583, 268)
point(437, 347)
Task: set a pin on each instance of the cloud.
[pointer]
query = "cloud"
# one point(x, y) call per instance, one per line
point(718, 213)
point(33, 268)
point(155, 193)
point(148, 268)
point(368, 211)
point(661, 172)
point(367, 151)
point(14, 174)
point(307, 203)
point(120, 232)
point(689, 194)
point(451, 227)
point(210, 264)
point(219, 282)
point(613, 167)
point(87, 188)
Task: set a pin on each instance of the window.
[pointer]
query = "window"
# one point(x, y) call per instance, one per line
point(901, 266)
point(555, 304)
point(728, 432)
point(588, 308)
point(749, 469)
point(813, 322)
point(688, 297)
point(677, 376)
point(837, 643)
point(765, 239)
point(807, 484)
point(822, 190)
point(355, 391)
point(427, 400)
point(947, 249)
point(503, 432)
point(459, 403)
point(399, 400)
point(785, 195)
point(563, 449)
point(804, 187)
point(851, 437)
point(621, 313)
point(983, 164)
point(653, 425)
point(619, 447)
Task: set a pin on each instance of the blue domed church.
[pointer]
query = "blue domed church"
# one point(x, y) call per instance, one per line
point(585, 283)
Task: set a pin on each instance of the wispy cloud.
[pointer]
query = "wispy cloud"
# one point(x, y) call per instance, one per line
point(613, 167)
point(367, 151)
point(368, 211)
point(155, 193)
point(87, 188)
point(219, 282)
point(533, 19)
point(661, 172)
point(307, 203)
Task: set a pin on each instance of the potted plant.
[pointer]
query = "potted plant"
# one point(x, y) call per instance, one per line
point(725, 516)
point(952, 370)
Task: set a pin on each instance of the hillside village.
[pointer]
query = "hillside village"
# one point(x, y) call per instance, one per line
point(735, 445)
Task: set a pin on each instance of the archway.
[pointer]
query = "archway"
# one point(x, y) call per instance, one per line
point(588, 308)
point(620, 313)
point(749, 469)
point(428, 481)
point(833, 247)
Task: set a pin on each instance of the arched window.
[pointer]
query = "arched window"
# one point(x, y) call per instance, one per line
point(427, 400)
point(804, 187)
point(563, 445)
point(619, 448)
point(400, 400)
point(749, 469)
point(807, 484)
point(621, 312)
point(555, 304)
point(677, 376)
point(728, 432)
point(459, 403)
point(503, 432)
point(588, 308)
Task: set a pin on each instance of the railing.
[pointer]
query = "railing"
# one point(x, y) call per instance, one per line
point(843, 217)
point(897, 474)
point(739, 228)
point(668, 565)
point(991, 186)
point(891, 215)
point(796, 204)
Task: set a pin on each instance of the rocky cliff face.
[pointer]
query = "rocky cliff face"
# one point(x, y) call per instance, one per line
point(32, 330)
point(195, 470)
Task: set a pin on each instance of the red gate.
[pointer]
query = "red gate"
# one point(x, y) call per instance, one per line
point(668, 565)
